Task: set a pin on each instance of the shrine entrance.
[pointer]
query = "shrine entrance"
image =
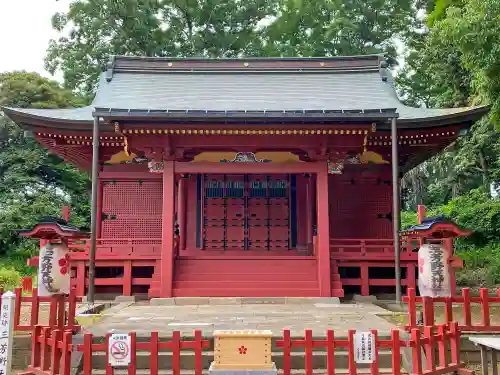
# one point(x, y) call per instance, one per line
point(248, 211)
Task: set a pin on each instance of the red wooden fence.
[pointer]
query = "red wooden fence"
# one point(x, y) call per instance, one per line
point(466, 302)
point(431, 337)
point(60, 310)
point(52, 350)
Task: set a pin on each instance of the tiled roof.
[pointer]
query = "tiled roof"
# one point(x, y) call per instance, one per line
point(142, 85)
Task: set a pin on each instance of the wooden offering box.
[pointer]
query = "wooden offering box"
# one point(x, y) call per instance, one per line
point(243, 350)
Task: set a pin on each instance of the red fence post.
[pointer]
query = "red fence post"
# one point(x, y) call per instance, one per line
point(67, 344)
point(286, 351)
point(109, 368)
point(415, 352)
point(198, 352)
point(35, 307)
point(429, 348)
point(455, 343)
point(396, 352)
point(36, 348)
point(442, 348)
point(72, 300)
point(448, 310)
point(350, 352)
point(45, 365)
point(412, 308)
point(466, 308)
point(154, 349)
point(330, 352)
point(61, 310)
point(374, 366)
point(485, 307)
point(87, 353)
point(53, 312)
point(428, 307)
point(55, 358)
point(17, 310)
point(132, 367)
point(308, 351)
point(176, 353)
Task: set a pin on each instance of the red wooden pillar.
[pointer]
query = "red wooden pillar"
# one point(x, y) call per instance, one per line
point(99, 209)
point(168, 229)
point(323, 223)
point(66, 213)
point(421, 212)
point(365, 280)
point(309, 213)
point(81, 278)
point(127, 278)
point(448, 245)
point(411, 276)
point(181, 213)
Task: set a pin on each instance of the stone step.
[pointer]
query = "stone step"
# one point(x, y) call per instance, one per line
point(262, 285)
point(248, 292)
point(205, 372)
point(296, 360)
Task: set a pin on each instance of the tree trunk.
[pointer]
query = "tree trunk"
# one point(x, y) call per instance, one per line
point(484, 168)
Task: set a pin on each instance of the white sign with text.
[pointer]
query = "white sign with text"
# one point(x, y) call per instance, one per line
point(364, 347)
point(6, 332)
point(119, 350)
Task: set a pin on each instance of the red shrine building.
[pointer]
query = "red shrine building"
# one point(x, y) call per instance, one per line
point(246, 177)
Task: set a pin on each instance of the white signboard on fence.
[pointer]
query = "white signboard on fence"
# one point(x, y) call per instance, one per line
point(6, 332)
point(364, 347)
point(119, 350)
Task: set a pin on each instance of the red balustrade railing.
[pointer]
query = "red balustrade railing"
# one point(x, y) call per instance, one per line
point(431, 339)
point(467, 305)
point(343, 248)
point(59, 311)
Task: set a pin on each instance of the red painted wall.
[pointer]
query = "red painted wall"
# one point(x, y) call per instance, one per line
point(360, 199)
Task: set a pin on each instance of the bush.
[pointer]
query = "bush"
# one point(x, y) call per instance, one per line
point(480, 213)
point(9, 279)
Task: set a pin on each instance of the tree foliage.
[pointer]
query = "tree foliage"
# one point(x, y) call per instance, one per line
point(92, 30)
point(33, 182)
point(454, 61)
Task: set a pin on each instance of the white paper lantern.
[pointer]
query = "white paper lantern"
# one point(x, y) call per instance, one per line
point(53, 270)
point(433, 271)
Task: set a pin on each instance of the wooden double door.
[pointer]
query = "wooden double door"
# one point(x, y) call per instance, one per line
point(246, 211)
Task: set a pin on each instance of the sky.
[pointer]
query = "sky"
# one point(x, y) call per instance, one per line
point(25, 31)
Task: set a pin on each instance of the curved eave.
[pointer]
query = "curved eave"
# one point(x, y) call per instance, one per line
point(467, 117)
point(301, 115)
point(51, 231)
point(437, 231)
point(29, 120)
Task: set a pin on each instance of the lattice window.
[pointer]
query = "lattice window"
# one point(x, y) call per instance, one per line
point(132, 209)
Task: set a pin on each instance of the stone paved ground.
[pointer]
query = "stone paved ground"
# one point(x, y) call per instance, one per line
point(143, 318)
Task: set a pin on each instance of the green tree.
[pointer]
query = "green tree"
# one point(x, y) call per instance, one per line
point(33, 182)
point(456, 62)
point(219, 28)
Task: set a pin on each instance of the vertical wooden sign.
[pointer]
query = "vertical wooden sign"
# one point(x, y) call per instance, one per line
point(6, 332)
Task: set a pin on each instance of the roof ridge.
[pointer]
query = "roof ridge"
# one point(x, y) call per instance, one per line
point(141, 64)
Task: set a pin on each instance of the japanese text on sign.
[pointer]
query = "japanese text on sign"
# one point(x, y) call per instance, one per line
point(119, 350)
point(6, 332)
point(364, 347)
point(433, 271)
